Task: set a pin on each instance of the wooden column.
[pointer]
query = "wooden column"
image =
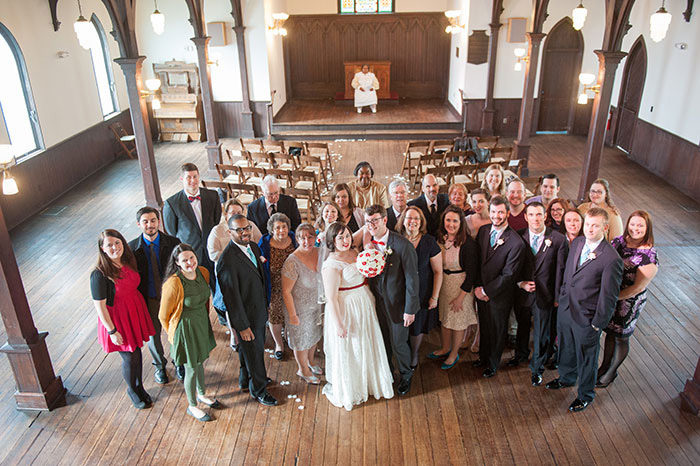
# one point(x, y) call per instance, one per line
point(201, 42)
point(608, 62)
point(247, 130)
point(38, 388)
point(690, 396)
point(142, 130)
point(522, 144)
point(488, 111)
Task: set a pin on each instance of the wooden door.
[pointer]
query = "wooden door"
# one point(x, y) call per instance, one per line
point(561, 65)
point(631, 94)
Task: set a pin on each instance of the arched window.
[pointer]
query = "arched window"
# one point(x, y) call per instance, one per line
point(365, 6)
point(102, 66)
point(16, 99)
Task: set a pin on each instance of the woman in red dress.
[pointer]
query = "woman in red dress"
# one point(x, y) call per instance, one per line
point(124, 323)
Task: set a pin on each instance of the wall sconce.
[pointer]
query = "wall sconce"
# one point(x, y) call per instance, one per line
point(453, 17)
point(278, 23)
point(520, 55)
point(157, 20)
point(153, 85)
point(587, 80)
point(82, 28)
point(579, 16)
point(659, 23)
point(9, 185)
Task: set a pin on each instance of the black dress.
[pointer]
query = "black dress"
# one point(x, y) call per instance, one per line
point(426, 319)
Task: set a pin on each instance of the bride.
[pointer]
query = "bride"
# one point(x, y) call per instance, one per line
point(356, 363)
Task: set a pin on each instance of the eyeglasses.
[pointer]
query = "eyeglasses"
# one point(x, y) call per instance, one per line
point(596, 191)
point(557, 209)
point(374, 221)
point(241, 230)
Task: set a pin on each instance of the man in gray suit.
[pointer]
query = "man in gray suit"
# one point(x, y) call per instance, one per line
point(586, 303)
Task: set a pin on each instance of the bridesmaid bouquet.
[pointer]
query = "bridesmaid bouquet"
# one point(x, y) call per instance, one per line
point(370, 263)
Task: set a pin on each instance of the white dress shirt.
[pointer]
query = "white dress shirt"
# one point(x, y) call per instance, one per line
point(196, 207)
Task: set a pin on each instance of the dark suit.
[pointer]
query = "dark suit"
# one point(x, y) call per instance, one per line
point(242, 286)
point(391, 219)
point(587, 298)
point(432, 220)
point(141, 249)
point(287, 205)
point(180, 221)
point(396, 294)
point(546, 269)
point(500, 269)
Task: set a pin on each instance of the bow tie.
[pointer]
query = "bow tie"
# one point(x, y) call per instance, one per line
point(192, 198)
point(381, 243)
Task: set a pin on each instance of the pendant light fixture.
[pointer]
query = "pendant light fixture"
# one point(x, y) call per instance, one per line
point(82, 29)
point(157, 20)
point(579, 16)
point(659, 23)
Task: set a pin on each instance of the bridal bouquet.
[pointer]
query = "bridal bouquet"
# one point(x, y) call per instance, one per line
point(370, 263)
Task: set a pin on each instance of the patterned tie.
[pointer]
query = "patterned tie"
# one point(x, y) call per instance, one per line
point(192, 198)
point(584, 255)
point(492, 238)
point(252, 256)
point(155, 270)
point(534, 244)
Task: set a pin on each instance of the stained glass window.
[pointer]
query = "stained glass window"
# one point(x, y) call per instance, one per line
point(366, 6)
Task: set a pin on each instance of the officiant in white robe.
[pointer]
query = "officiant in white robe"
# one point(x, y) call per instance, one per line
point(365, 85)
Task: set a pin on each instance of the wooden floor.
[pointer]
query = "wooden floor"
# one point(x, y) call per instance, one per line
point(450, 418)
point(325, 112)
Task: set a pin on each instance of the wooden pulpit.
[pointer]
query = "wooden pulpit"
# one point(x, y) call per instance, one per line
point(381, 69)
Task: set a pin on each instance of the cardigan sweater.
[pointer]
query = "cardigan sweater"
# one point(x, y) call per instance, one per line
point(171, 302)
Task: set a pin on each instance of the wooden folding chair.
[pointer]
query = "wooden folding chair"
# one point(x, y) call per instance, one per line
point(302, 179)
point(463, 173)
point(284, 176)
point(472, 186)
point(252, 145)
point(240, 158)
point(412, 155)
point(424, 163)
point(455, 158)
point(319, 149)
point(515, 166)
point(261, 159)
point(505, 153)
point(246, 193)
point(315, 164)
point(228, 173)
point(251, 175)
point(273, 146)
point(487, 142)
point(285, 162)
point(441, 146)
point(214, 185)
point(125, 140)
point(443, 175)
point(305, 202)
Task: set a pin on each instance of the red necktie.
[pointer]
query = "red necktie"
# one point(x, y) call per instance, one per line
point(381, 243)
point(192, 198)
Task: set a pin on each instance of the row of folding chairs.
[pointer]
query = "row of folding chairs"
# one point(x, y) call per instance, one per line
point(468, 173)
point(306, 199)
point(293, 148)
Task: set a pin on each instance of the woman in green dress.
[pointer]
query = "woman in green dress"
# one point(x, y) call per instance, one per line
point(184, 313)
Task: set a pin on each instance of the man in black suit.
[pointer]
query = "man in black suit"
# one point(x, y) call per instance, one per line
point(432, 203)
point(190, 215)
point(395, 291)
point(397, 193)
point(587, 301)
point(501, 254)
point(242, 284)
point(152, 250)
point(260, 210)
point(541, 279)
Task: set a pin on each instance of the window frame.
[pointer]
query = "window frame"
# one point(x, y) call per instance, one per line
point(32, 112)
point(393, 9)
point(95, 21)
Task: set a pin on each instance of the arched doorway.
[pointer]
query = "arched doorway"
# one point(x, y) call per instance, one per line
point(631, 94)
point(561, 65)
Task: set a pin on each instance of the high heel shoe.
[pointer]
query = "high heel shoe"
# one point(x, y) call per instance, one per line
point(598, 384)
point(446, 366)
point(312, 380)
point(316, 370)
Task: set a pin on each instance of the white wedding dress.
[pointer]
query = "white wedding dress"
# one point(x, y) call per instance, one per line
point(356, 366)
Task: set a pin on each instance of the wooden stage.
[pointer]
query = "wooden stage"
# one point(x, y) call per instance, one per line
point(449, 418)
point(325, 119)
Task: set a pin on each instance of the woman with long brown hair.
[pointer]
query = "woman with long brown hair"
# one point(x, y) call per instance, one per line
point(352, 216)
point(124, 323)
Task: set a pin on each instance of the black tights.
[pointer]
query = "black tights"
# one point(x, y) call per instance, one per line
point(131, 371)
point(615, 351)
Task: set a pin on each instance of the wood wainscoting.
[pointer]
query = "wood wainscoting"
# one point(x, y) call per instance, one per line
point(228, 119)
point(665, 154)
point(415, 43)
point(44, 177)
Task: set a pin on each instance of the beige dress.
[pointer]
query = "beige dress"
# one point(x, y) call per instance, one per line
point(451, 284)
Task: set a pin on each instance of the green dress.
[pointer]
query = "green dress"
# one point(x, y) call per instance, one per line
point(194, 338)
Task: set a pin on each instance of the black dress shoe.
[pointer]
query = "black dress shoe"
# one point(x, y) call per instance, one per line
point(404, 386)
point(180, 373)
point(511, 341)
point(478, 363)
point(279, 355)
point(552, 365)
point(556, 385)
point(243, 386)
point(488, 373)
point(266, 399)
point(578, 405)
point(514, 362)
point(161, 376)
point(536, 380)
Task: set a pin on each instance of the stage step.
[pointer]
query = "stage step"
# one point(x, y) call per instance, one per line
point(442, 130)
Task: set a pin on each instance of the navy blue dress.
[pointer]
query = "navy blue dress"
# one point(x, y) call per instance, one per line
point(426, 319)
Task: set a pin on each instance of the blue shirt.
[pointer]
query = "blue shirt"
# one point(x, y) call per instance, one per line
point(151, 287)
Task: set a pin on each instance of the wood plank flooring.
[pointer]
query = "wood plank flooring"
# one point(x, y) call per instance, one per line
point(450, 418)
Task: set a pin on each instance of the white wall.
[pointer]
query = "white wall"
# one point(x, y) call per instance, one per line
point(64, 89)
point(275, 56)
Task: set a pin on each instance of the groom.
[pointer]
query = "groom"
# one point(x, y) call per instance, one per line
point(395, 291)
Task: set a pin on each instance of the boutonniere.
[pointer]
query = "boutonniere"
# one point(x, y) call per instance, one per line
point(591, 256)
point(388, 251)
point(498, 243)
point(262, 259)
point(547, 243)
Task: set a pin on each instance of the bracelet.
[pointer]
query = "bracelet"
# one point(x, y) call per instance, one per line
point(434, 299)
point(113, 331)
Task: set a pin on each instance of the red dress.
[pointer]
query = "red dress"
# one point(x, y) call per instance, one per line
point(129, 314)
